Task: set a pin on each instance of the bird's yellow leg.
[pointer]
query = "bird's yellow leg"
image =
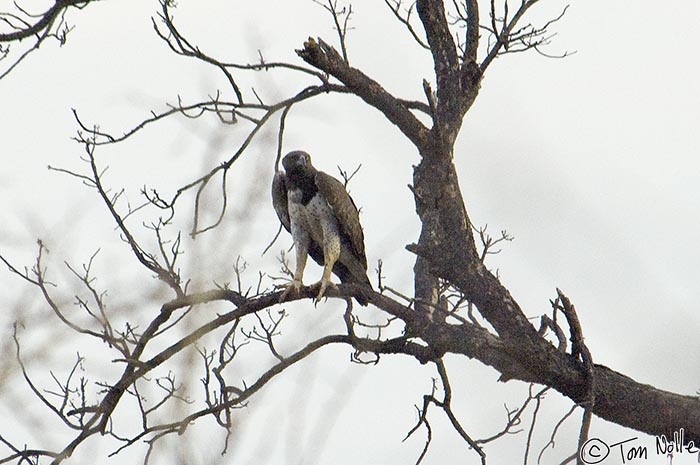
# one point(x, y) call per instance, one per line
point(297, 282)
point(331, 253)
point(325, 282)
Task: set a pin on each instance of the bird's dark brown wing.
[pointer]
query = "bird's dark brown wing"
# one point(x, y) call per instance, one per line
point(345, 212)
point(279, 199)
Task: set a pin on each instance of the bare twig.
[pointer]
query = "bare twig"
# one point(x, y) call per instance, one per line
point(180, 45)
point(395, 7)
point(146, 259)
point(514, 417)
point(347, 177)
point(23, 25)
point(538, 402)
point(446, 406)
point(332, 7)
point(555, 430)
point(488, 242)
point(510, 38)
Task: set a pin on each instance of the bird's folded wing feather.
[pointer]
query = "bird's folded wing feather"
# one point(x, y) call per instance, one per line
point(345, 212)
point(279, 199)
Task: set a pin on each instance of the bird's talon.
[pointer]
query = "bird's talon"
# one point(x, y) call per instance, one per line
point(322, 288)
point(295, 286)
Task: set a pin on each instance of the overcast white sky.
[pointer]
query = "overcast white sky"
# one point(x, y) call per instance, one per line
point(591, 162)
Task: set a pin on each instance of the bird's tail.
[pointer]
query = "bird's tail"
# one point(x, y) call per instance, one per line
point(356, 275)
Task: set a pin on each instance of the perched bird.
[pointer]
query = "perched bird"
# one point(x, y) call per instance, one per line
point(324, 222)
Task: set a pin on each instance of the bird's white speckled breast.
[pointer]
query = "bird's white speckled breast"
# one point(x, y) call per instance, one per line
point(315, 217)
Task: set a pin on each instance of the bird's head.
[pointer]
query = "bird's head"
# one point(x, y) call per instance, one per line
point(296, 160)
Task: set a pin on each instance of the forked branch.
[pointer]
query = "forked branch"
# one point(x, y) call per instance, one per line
point(21, 25)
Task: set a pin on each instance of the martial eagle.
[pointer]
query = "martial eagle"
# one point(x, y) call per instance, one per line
point(324, 222)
